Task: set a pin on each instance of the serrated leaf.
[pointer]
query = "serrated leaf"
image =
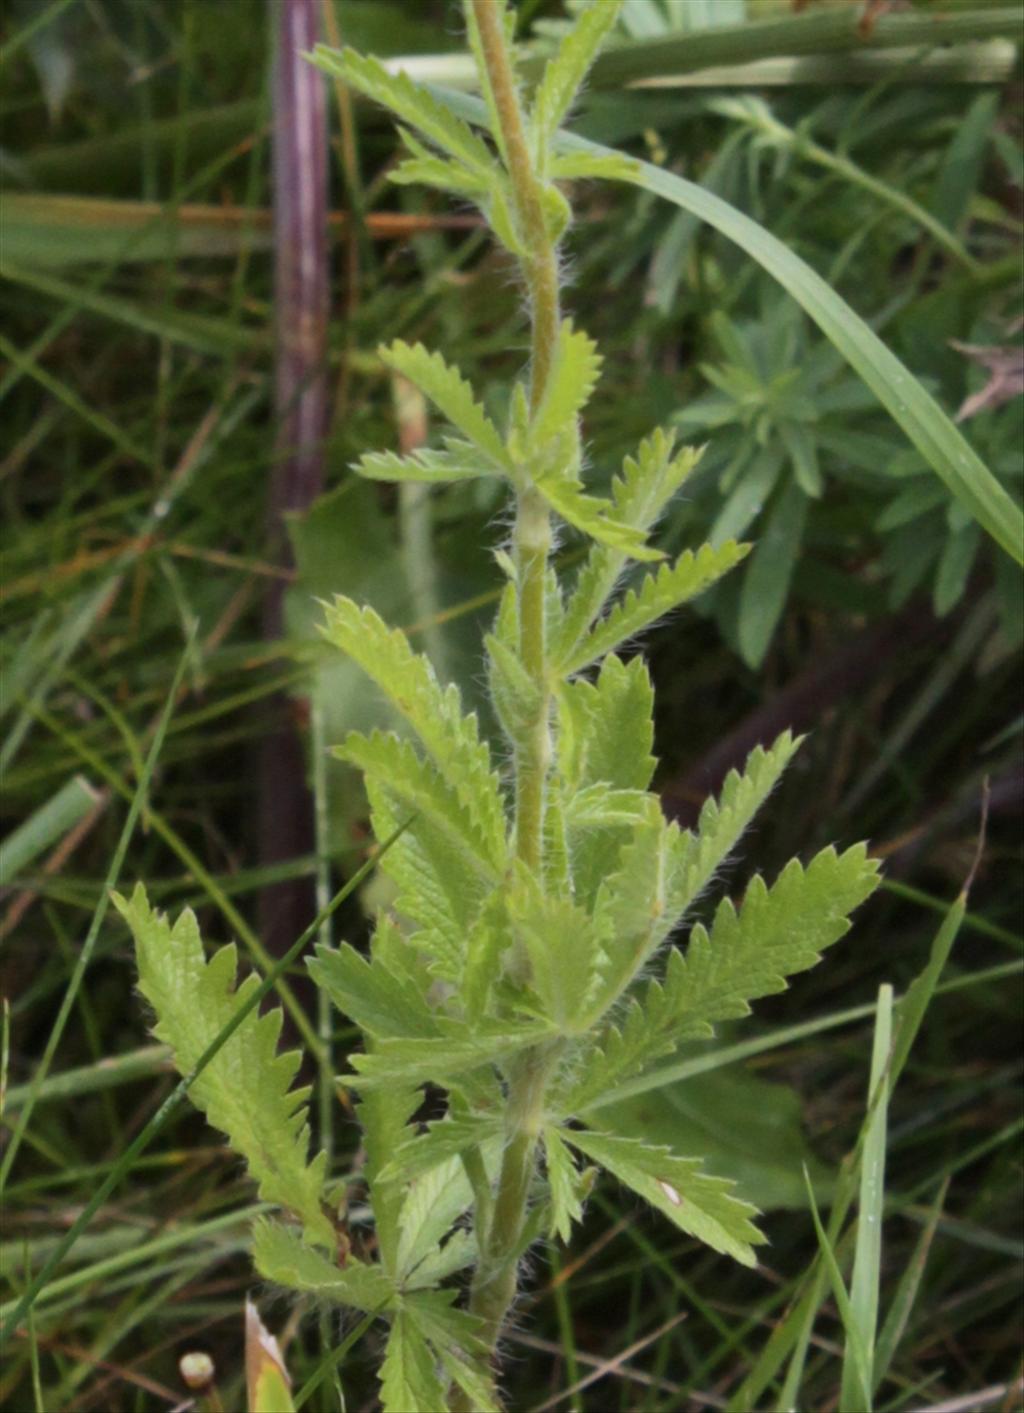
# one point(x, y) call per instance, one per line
point(427, 168)
point(487, 939)
point(434, 888)
point(434, 713)
point(245, 1089)
point(698, 1204)
point(554, 431)
point(456, 1336)
point(563, 1183)
point(413, 104)
point(600, 806)
point(460, 462)
point(451, 393)
point(442, 1060)
point(422, 788)
point(409, 1377)
point(606, 728)
point(565, 72)
point(635, 903)
point(586, 166)
point(723, 821)
point(283, 1257)
point(647, 483)
point(593, 516)
point(514, 692)
point(565, 947)
point(656, 595)
point(777, 932)
point(604, 744)
point(435, 1200)
point(383, 1116)
point(657, 1024)
point(443, 1140)
point(379, 1002)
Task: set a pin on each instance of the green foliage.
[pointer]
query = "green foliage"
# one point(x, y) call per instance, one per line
point(564, 75)
point(656, 595)
point(515, 966)
point(703, 1206)
point(245, 1089)
point(283, 1257)
point(449, 391)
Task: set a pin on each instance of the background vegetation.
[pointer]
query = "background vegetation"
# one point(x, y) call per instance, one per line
point(138, 390)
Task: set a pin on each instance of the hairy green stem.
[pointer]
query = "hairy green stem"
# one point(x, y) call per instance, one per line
point(494, 1284)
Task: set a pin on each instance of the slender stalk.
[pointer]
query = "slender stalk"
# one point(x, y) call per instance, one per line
point(494, 1285)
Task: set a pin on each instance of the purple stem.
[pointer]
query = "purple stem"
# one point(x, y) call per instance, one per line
point(301, 303)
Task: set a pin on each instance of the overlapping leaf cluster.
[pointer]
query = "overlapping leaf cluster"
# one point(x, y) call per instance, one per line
point(482, 960)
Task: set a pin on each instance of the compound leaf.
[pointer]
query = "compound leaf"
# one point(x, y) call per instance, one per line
point(413, 104)
point(698, 1204)
point(460, 462)
point(283, 1257)
point(565, 72)
point(656, 595)
point(434, 712)
point(648, 481)
point(410, 1381)
point(449, 391)
point(777, 931)
point(245, 1089)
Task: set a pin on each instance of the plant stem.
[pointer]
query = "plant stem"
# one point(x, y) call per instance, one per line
point(532, 541)
point(494, 1284)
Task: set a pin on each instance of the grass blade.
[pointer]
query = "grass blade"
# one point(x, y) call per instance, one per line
point(85, 955)
point(930, 430)
point(854, 1346)
point(906, 1291)
point(45, 826)
point(868, 1252)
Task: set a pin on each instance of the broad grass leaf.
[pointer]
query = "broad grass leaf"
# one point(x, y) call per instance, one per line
point(767, 577)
